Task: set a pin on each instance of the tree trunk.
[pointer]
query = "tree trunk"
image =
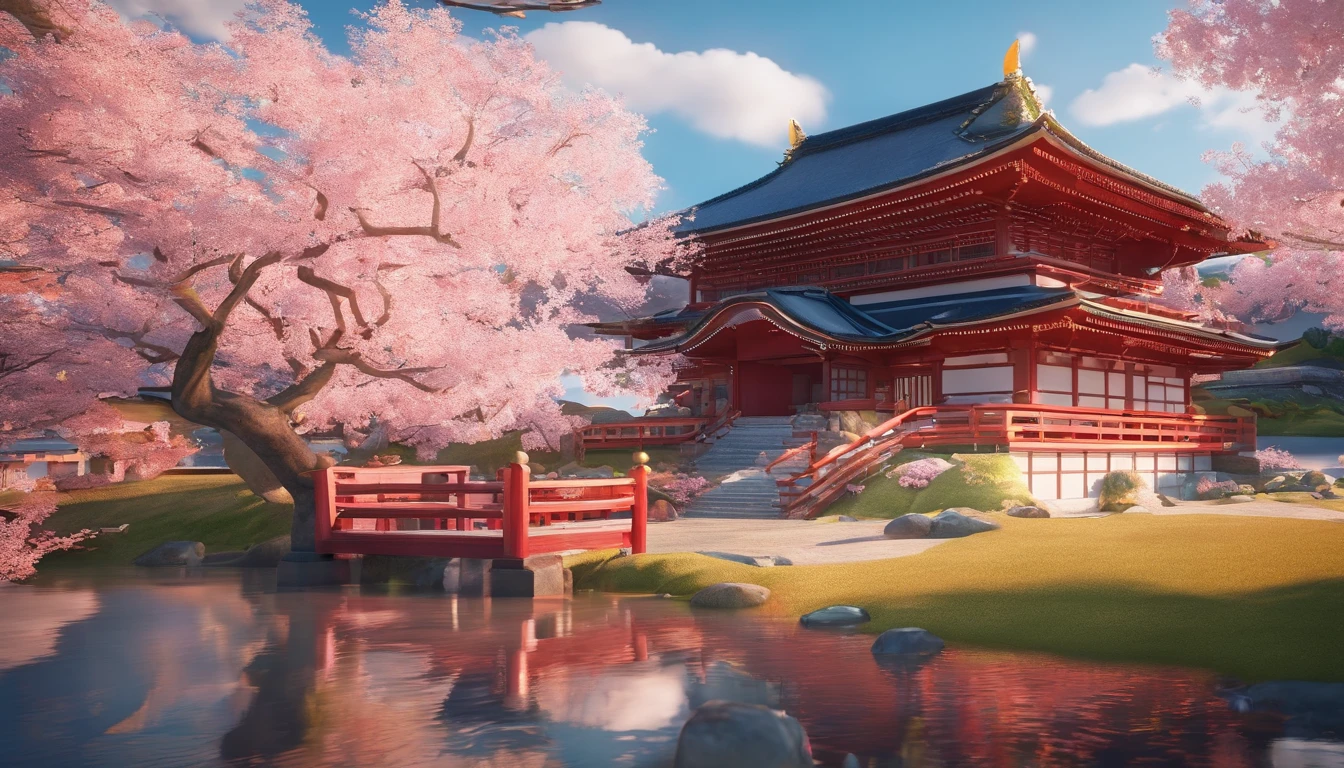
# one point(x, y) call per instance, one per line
point(264, 427)
point(247, 465)
point(265, 431)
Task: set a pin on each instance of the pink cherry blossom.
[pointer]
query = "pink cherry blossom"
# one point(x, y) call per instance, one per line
point(404, 238)
point(1288, 53)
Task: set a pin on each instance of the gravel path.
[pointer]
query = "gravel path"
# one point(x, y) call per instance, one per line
point(802, 541)
point(805, 542)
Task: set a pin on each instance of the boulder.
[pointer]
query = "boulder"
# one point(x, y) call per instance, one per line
point(956, 523)
point(835, 616)
point(908, 527)
point(846, 519)
point(1029, 512)
point(1314, 480)
point(173, 553)
point(730, 734)
point(1246, 490)
point(730, 595)
point(662, 511)
point(267, 554)
point(907, 641)
point(1239, 499)
point(851, 761)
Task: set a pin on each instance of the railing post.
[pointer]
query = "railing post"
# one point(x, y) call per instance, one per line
point(639, 514)
point(812, 452)
point(515, 508)
point(324, 500)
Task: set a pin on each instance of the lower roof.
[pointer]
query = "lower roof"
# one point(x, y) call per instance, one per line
point(821, 316)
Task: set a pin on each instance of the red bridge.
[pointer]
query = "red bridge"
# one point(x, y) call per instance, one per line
point(438, 511)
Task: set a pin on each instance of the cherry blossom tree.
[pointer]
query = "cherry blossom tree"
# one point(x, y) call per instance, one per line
point(1288, 53)
point(289, 239)
point(23, 541)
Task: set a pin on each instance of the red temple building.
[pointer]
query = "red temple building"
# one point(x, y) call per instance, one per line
point(974, 259)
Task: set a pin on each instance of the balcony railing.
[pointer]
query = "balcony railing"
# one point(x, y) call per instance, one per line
point(1013, 426)
point(656, 430)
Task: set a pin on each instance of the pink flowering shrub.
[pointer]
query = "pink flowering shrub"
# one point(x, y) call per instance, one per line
point(918, 474)
point(682, 488)
point(23, 542)
point(1273, 458)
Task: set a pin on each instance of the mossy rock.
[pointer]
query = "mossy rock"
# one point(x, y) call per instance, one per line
point(1314, 479)
point(989, 481)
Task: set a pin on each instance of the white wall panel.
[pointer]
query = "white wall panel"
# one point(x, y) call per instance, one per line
point(976, 380)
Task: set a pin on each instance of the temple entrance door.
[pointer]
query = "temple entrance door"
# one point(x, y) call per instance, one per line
point(806, 384)
point(764, 389)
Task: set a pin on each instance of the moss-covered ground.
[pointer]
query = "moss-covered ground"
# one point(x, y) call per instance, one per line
point(1251, 597)
point(981, 481)
point(216, 510)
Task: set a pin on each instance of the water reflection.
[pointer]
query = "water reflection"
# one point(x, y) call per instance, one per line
point(214, 671)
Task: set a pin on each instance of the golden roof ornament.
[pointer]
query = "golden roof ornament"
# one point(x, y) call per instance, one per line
point(796, 135)
point(1012, 60)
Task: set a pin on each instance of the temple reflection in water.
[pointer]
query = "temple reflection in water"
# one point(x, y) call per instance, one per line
point(202, 672)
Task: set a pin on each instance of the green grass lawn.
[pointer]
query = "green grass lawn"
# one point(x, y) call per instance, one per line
point(1256, 598)
point(217, 510)
point(980, 481)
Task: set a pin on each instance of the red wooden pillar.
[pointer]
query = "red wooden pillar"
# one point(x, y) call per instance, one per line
point(515, 509)
point(639, 515)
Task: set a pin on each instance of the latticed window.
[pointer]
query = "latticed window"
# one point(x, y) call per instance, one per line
point(848, 383)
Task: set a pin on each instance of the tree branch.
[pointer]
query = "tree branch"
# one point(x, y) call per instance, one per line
point(303, 390)
point(351, 357)
point(432, 231)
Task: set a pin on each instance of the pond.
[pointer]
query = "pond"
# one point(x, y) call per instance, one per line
point(220, 670)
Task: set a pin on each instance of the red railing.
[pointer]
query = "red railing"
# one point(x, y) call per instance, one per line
point(512, 516)
point(655, 430)
point(1014, 426)
point(809, 447)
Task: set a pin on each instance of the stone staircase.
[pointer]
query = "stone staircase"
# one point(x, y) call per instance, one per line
point(746, 491)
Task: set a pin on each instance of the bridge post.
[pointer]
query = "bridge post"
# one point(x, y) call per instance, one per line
point(515, 508)
point(639, 515)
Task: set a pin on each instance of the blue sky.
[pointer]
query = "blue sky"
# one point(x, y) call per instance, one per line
point(718, 79)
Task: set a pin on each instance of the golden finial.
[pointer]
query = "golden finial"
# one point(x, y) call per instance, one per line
point(796, 135)
point(1012, 62)
point(641, 457)
point(520, 457)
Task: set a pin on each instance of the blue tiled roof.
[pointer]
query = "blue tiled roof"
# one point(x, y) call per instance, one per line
point(859, 159)
point(965, 307)
point(830, 317)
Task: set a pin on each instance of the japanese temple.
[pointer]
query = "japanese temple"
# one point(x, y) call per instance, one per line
point(968, 254)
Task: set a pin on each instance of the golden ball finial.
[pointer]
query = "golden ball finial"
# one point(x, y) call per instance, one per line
point(641, 457)
point(520, 457)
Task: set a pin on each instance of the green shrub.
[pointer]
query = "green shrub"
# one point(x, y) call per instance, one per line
point(1121, 490)
point(1317, 337)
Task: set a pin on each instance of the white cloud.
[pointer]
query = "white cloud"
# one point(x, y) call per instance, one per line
point(1137, 92)
point(201, 18)
point(723, 93)
point(1043, 92)
point(1026, 43)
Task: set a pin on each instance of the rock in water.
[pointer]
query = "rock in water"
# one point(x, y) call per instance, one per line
point(908, 527)
point(730, 595)
point(729, 734)
point(954, 524)
point(907, 641)
point(835, 616)
point(173, 553)
point(847, 519)
point(1029, 512)
point(851, 761)
point(267, 554)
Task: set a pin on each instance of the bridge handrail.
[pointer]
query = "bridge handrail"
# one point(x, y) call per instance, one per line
point(810, 447)
point(513, 500)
